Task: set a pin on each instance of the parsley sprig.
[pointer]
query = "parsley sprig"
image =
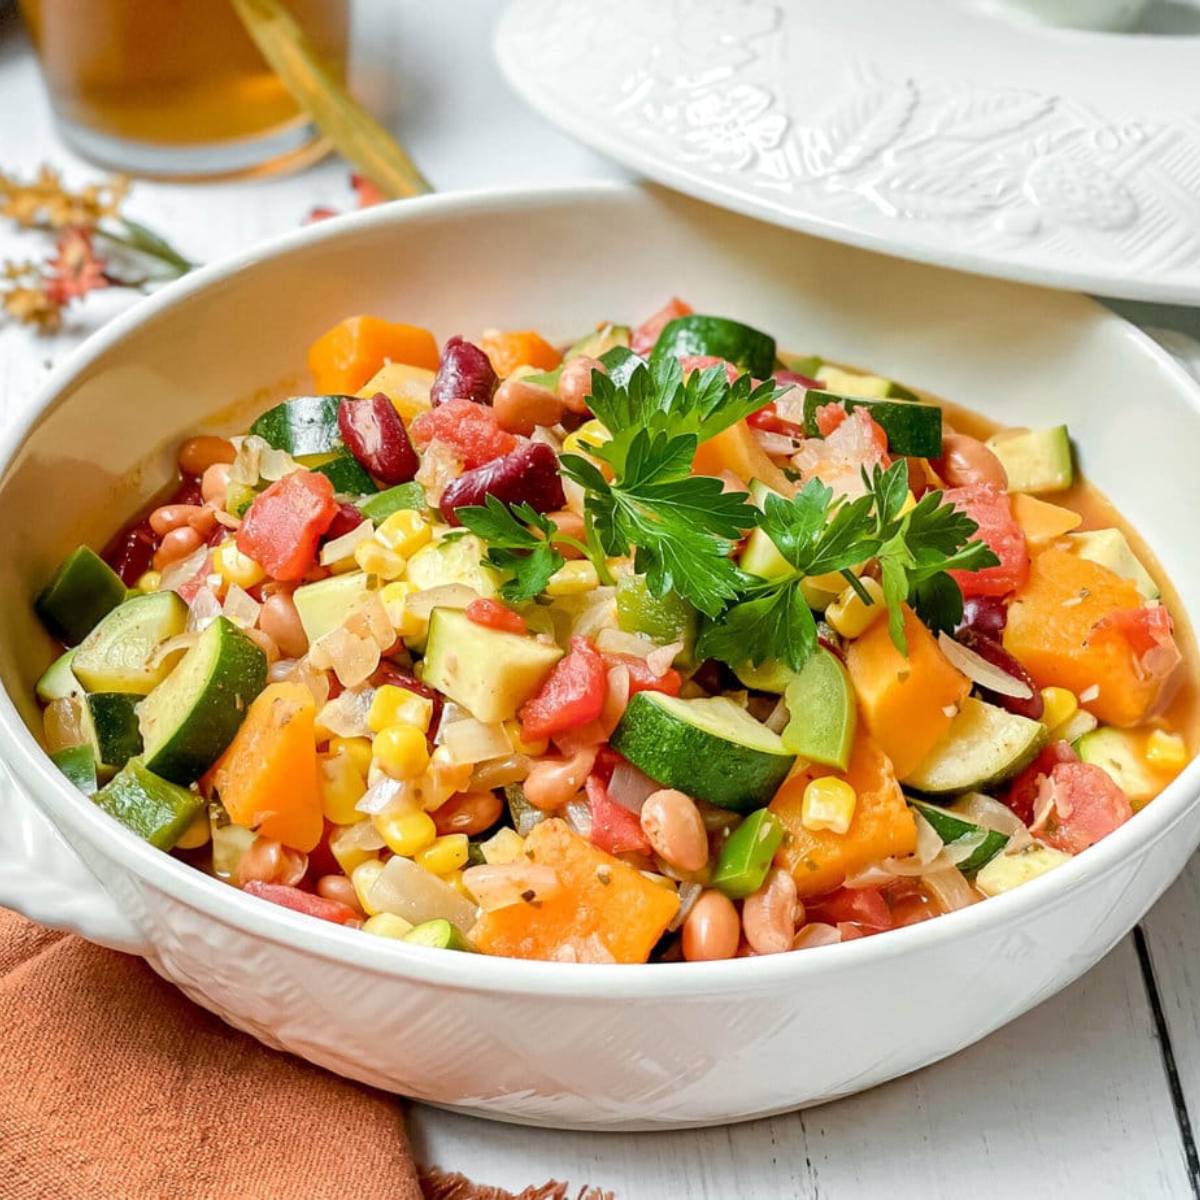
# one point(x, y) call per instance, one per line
point(680, 528)
point(817, 534)
point(514, 548)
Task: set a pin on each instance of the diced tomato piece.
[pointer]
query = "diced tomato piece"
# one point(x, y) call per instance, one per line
point(768, 419)
point(830, 417)
point(614, 828)
point(1149, 633)
point(607, 761)
point(701, 362)
point(855, 443)
point(469, 429)
point(646, 334)
point(991, 510)
point(864, 907)
point(642, 679)
point(1023, 790)
point(572, 695)
point(302, 902)
point(1086, 806)
point(281, 529)
point(909, 902)
point(494, 615)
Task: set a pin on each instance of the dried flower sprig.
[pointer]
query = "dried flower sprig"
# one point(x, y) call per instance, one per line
point(37, 293)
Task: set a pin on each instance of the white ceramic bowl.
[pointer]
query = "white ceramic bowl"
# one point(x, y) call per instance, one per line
point(602, 1047)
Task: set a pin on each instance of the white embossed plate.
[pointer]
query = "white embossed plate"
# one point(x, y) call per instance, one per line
point(928, 129)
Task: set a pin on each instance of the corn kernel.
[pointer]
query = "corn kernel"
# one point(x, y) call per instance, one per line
point(395, 601)
point(1007, 871)
point(533, 748)
point(196, 834)
point(353, 845)
point(387, 925)
point(342, 787)
point(401, 751)
point(850, 616)
point(148, 581)
point(455, 880)
point(376, 559)
point(446, 854)
point(828, 803)
point(358, 748)
point(573, 579)
point(407, 832)
point(394, 705)
point(503, 847)
point(1166, 751)
point(587, 437)
point(405, 532)
point(363, 877)
point(1058, 705)
point(235, 567)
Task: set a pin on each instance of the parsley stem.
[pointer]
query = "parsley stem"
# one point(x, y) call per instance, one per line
point(857, 584)
point(595, 551)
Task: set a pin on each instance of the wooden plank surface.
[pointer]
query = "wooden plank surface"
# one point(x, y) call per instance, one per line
point(1074, 1099)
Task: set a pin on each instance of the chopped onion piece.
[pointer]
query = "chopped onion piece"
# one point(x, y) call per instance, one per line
point(240, 607)
point(448, 595)
point(203, 611)
point(347, 715)
point(689, 893)
point(281, 670)
point(874, 876)
point(816, 934)
point(960, 850)
point(949, 888)
point(596, 611)
point(344, 546)
point(313, 678)
point(929, 847)
point(181, 571)
point(616, 699)
point(244, 468)
point(991, 814)
point(661, 659)
point(779, 717)
point(472, 741)
point(275, 464)
point(629, 787)
point(546, 434)
point(415, 894)
point(617, 641)
point(383, 792)
point(778, 444)
point(977, 669)
point(578, 816)
point(1043, 804)
point(438, 466)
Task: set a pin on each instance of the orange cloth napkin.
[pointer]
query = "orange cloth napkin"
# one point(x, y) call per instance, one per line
point(114, 1086)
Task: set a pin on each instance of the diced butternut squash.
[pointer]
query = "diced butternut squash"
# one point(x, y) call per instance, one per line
point(883, 825)
point(518, 348)
point(604, 910)
point(1064, 629)
point(906, 703)
point(407, 387)
point(1042, 523)
point(343, 358)
point(736, 449)
point(267, 779)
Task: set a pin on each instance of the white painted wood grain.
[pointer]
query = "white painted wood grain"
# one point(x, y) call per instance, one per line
point(1068, 1101)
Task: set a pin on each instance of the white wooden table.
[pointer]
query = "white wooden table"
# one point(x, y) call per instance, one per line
point(1089, 1095)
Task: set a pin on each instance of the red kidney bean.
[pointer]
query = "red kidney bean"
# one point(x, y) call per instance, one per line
point(529, 474)
point(388, 672)
point(990, 649)
point(375, 435)
point(985, 614)
point(465, 374)
point(347, 518)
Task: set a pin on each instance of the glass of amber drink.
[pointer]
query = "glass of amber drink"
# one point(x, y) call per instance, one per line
point(176, 88)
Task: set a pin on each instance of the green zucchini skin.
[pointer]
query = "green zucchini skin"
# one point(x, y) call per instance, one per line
point(912, 429)
point(750, 349)
point(83, 591)
point(302, 425)
point(157, 810)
